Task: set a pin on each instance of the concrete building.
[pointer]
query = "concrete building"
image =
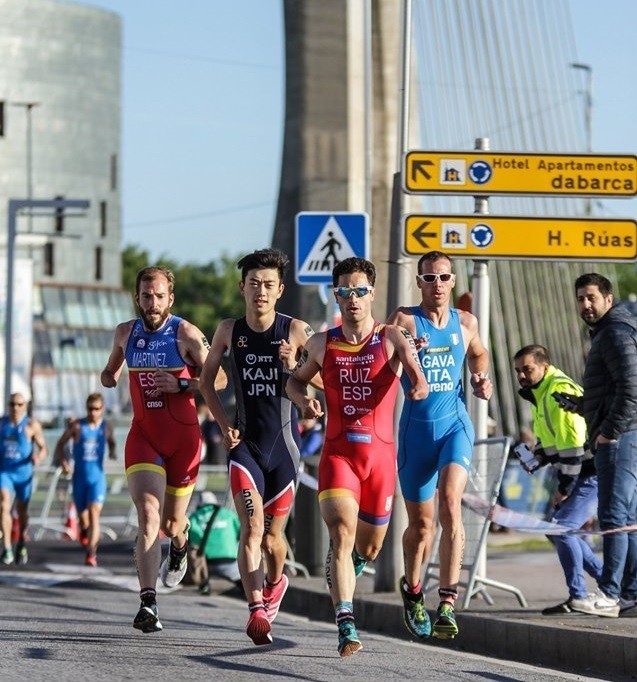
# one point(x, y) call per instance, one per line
point(60, 73)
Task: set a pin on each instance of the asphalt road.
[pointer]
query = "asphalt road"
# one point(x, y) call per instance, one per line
point(64, 622)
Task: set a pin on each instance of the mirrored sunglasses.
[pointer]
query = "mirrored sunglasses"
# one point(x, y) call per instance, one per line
point(346, 292)
point(431, 277)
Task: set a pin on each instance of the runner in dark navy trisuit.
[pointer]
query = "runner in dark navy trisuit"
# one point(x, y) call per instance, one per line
point(264, 440)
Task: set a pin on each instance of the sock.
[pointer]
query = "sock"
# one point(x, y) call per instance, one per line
point(255, 606)
point(270, 585)
point(448, 594)
point(148, 595)
point(344, 611)
point(415, 590)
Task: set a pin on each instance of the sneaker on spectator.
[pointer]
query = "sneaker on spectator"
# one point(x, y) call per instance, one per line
point(147, 618)
point(173, 567)
point(625, 604)
point(415, 615)
point(258, 628)
point(597, 604)
point(7, 557)
point(272, 597)
point(558, 609)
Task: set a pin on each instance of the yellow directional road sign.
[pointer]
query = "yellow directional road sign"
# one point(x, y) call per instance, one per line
point(486, 237)
point(485, 173)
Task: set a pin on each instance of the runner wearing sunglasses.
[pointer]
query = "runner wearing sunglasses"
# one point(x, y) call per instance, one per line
point(359, 362)
point(436, 440)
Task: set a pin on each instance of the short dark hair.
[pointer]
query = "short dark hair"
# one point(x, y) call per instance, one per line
point(432, 257)
point(264, 258)
point(351, 265)
point(152, 272)
point(594, 279)
point(540, 353)
point(95, 397)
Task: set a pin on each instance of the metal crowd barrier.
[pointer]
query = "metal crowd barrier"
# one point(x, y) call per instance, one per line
point(485, 478)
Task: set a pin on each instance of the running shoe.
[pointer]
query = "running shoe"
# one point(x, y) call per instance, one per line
point(272, 597)
point(359, 563)
point(83, 537)
point(258, 628)
point(21, 554)
point(173, 567)
point(91, 560)
point(7, 557)
point(348, 641)
point(445, 626)
point(415, 615)
point(147, 618)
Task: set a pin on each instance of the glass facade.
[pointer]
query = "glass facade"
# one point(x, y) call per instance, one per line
point(73, 337)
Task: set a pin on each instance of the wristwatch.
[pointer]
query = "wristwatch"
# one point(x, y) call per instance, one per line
point(184, 384)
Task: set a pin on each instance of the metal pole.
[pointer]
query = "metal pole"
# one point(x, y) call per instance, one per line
point(480, 409)
point(389, 564)
point(28, 108)
point(588, 116)
point(368, 76)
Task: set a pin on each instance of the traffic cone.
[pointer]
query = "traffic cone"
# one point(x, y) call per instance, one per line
point(15, 527)
point(71, 524)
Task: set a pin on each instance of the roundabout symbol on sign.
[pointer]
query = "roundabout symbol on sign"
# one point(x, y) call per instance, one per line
point(481, 235)
point(480, 172)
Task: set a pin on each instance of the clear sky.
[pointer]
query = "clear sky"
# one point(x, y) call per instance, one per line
point(203, 114)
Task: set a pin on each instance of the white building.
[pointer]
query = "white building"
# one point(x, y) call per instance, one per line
point(60, 92)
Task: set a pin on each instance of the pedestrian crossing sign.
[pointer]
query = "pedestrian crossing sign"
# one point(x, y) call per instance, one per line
point(324, 239)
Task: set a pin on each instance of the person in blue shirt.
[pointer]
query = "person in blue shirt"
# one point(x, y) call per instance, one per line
point(90, 436)
point(19, 433)
point(435, 441)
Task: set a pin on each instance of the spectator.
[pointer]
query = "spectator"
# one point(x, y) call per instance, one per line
point(609, 405)
point(560, 442)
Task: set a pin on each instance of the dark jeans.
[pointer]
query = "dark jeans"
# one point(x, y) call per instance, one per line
point(616, 465)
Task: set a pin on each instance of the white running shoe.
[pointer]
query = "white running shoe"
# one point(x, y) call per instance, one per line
point(597, 604)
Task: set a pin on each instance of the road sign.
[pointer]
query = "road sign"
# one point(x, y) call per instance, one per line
point(324, 239)
point(486, 173)
point(486, 237)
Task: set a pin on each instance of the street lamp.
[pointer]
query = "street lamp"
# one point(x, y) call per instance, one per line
point(28, 108)
point(588, 114)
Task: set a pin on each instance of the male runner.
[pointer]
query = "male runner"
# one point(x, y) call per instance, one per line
point(163, 353)
point(264, 440)
point(90, 436)
point(436, 440)
point(18, 434)
point(360, 363)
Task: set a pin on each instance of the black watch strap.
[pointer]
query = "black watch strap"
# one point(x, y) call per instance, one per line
point(184, 384)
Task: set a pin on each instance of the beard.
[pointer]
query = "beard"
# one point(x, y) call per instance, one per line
point(153, 324)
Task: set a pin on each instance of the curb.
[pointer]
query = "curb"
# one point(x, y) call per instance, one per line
point(505, 635)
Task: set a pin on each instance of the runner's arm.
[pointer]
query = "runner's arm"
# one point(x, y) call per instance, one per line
point(405, 348)
point(111, 373)
point(307, 367)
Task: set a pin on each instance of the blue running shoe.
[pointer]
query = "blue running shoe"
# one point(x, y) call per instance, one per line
point(348, 641)
point(415, 615)
point(445, 626)
point(359, 563)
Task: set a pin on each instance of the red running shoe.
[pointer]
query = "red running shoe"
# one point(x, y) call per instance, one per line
point(258, 628)
point(91, 560)
point(272, 597)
